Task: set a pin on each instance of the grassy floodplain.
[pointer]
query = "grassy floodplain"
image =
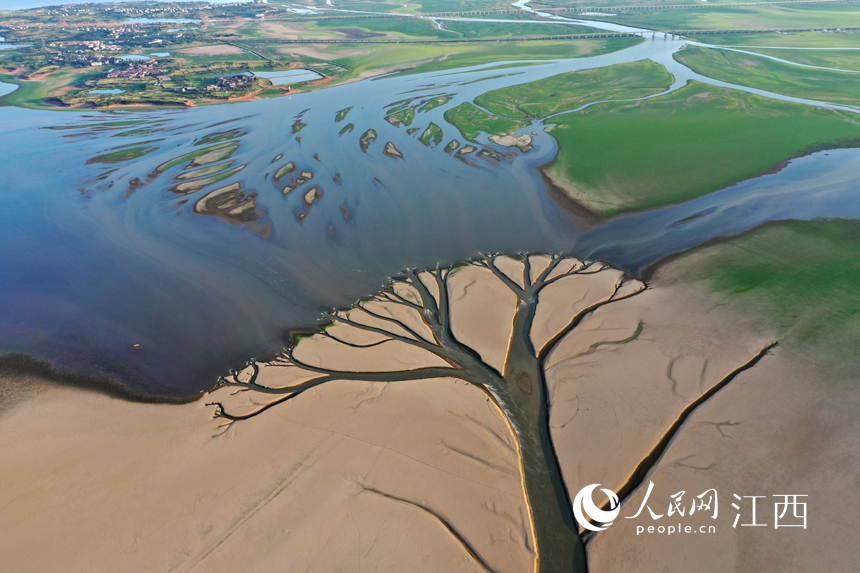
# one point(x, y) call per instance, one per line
point(744, 18)
point(514, 30)
point(398, 27)
point(818, 39)
point(839, 59)
point(622, 157)
point(762, 73)
point(471, 121)
point(374, 59)
point(432, 136)
point(31, 93)
point(569, 91)
point(803, 276)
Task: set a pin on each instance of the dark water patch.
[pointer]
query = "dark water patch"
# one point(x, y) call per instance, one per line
point(820, 185)
point(17, 373)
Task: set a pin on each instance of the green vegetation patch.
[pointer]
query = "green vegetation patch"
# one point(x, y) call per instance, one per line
point(220, 136)
point(360, 28)
point(452, 145)
point(366, 139)
point(122, 155)
point(574, 89)
point(512, 29)
point(819, 39)
point(619, 157)
point(804, 276)
point(471, 121)
point(284, 170)
point(402, 117)
point(839, 59)
point(197, 184)
point(201, 156)
point(389, 57)
point(432, 135)
point(761, 73)
point(203, 171)
point(820, 15)
point(341, 115)
point(434, 103)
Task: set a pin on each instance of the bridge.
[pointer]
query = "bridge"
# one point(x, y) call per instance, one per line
point(644, 34)
point(572, 10)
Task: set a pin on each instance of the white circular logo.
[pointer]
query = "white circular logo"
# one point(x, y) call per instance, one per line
point(584, 508)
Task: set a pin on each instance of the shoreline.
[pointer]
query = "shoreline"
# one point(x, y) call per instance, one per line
point(19, 365)
point(141, 486)
point(563, 187)
point(562, 198)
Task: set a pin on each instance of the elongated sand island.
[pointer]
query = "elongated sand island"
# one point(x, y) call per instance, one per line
point(442, 424)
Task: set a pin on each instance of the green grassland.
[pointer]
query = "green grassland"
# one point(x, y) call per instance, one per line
point(621, 157)
point(463, 55)
point(744, 18)
point(430, 6)
point(31, 93)
point(389, 6)
point(123, 155)
point(752, 71)
point(512, 29)
point(571, 90)
point(819, 39)
point(375, 59)
point(839, 59)
point(432, 136)
point(471, 121)
point(401, 27)
point(246, 59)
point(802, 277)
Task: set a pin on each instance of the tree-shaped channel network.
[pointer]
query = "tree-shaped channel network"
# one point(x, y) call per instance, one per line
point(421, 326)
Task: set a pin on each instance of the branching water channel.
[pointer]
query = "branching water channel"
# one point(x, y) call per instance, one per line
point(116, 266)
point(161, 248)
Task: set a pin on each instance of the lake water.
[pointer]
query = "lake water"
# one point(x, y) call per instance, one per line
point(6, 89)
point(134, 57)
point(107, 270)
point(289, 76)
point(109, 92)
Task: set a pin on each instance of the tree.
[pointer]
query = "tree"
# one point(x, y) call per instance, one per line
point(415, 311)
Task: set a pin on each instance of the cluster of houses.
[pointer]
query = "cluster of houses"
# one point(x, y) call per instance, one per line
point(94, 45)
point(229, 83)
point(137, 70)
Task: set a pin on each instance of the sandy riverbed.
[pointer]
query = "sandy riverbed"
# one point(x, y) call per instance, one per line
point(342, 477)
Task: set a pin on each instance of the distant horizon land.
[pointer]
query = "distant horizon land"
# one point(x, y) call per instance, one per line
point(29, 4)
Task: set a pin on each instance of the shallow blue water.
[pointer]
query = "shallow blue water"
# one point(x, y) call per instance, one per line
point(119, 275)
